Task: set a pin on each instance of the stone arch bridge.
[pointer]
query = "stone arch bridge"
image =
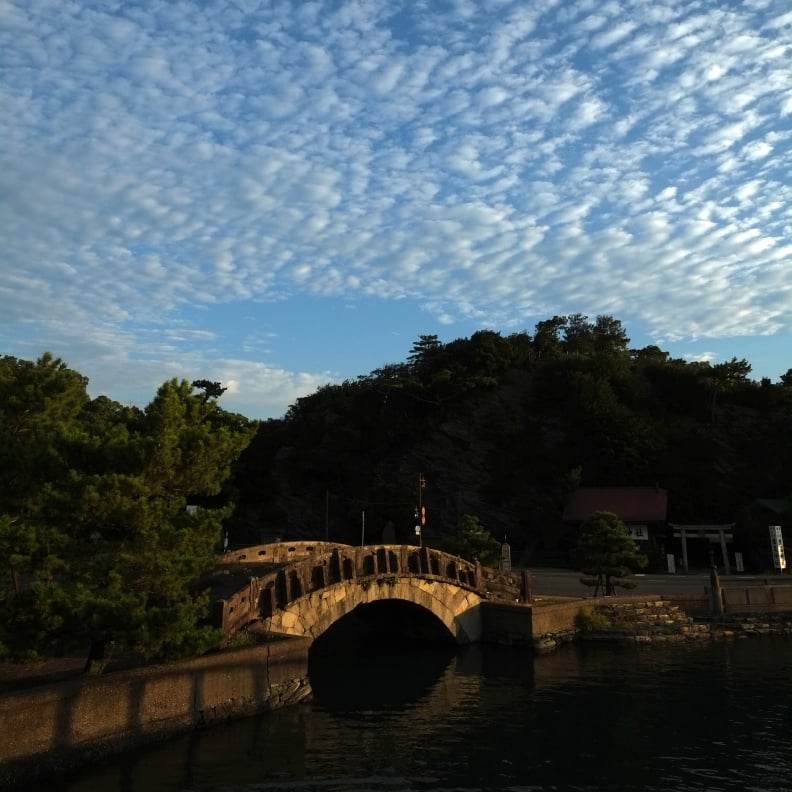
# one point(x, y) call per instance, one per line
point(302, 588)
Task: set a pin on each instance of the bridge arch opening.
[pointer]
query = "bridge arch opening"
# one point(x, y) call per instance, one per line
point(384, 623)
point(399, 650)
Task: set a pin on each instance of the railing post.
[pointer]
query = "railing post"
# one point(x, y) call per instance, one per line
point(335, 572)
point(526, 591)
point(281, 589)
point(716, 596)
point(425, 564)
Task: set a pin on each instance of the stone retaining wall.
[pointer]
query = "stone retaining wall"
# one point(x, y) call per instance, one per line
point(637, 619)
point(663, 621)
point(55, 728)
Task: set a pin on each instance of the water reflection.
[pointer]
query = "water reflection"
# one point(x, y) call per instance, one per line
point(707, 717)
point(382, 680)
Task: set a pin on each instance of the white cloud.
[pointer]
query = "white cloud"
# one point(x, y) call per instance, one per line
point(496, 164)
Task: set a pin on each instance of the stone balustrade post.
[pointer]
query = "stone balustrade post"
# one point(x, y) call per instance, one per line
point(526, 586)
point(716, 594)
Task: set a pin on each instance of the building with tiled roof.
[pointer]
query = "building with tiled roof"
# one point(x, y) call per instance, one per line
point(642, 509)
point(632, 504)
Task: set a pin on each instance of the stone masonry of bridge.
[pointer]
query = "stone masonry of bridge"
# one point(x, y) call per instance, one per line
point(307, 586)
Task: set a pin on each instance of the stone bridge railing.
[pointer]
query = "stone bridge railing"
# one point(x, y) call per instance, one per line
point(309, 567)
point(277, 553)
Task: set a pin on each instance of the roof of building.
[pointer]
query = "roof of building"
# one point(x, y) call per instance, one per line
point(631, 504)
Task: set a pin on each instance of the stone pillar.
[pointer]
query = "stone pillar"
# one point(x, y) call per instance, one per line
point(724, 551)
point(683, 534)
point(716, 596)
point(335, 571)
point(526, 592)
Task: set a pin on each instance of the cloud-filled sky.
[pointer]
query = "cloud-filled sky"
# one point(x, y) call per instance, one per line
point(278, 195)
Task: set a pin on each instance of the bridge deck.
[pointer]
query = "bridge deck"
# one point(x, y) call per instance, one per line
point(255, 582)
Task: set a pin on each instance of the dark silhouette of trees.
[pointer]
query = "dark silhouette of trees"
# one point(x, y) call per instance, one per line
point(97, 545)
point(506, 426)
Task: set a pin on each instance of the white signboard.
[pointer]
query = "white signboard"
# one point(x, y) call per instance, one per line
point(738, 559)
point(777, 547)
point(505, 558)
point(671, 563)
point(639, 533)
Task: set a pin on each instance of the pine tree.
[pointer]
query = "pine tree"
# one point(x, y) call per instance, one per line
point(606, 553)
point(473, 542)
point(100, 547)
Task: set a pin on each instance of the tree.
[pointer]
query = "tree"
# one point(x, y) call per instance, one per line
point(606, 553)
point(106, 553)
point(473, 542)
point(578, 335)
point(609, 335)
point(547, 337)
point(212, 390)
point(423, 349)
point(39, 408)
point(733, 372)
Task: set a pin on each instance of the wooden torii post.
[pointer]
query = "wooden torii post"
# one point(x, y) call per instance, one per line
point(715, 533)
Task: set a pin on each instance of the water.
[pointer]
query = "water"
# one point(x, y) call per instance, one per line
point(711, 717)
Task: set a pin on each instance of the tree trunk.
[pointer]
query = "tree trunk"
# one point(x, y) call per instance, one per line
point(97, 658)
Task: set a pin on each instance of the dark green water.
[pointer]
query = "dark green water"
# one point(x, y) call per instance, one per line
point(591, 717)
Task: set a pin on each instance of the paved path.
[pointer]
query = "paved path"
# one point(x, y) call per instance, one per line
point(566, 583)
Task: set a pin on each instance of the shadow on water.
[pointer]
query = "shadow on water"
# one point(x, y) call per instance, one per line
point(398, 652)
point(392, 712)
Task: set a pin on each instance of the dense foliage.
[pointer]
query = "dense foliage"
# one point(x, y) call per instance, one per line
point(473, 542)
point(95, 534)
point(99, 548)
point(505, 427)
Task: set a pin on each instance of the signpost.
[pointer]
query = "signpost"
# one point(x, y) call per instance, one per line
point(420, 511)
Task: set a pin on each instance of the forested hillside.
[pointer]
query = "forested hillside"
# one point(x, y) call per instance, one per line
point(500, 428)
point(109, 515)
point(505, 427)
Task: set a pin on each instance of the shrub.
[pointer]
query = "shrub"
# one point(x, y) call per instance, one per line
point(590, 620)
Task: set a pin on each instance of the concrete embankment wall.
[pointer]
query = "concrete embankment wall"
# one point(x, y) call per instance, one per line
point(750, 599)
point(54, 728)
point(641, 618)
point(766, 599)
point(547, 625)
point(527, 625)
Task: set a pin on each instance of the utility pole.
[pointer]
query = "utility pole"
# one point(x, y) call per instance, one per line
point(420, 512)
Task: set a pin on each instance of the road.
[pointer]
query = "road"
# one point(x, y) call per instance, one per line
point(566, 583)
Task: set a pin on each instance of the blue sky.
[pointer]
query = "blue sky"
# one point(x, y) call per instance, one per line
point(278, 195)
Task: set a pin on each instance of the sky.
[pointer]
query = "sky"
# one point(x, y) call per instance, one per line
point(281, 195)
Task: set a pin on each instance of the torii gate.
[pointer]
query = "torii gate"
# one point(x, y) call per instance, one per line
point(715, 533)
